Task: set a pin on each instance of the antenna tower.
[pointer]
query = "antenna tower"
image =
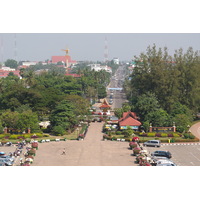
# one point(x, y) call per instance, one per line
point(15, 47)
point(106, 51)
point(1, 49)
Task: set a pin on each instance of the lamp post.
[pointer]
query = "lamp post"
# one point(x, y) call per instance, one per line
point(174, 127)
point(77, 132)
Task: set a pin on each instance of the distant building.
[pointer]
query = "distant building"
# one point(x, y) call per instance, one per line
point(56, 59)
point(4, 74)
point(28, 64)
point(116, 61)
point(74, 75)
point(98, 67)
point(7, 69)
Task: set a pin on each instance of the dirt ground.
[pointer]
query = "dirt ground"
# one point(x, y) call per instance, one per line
point(92, 151)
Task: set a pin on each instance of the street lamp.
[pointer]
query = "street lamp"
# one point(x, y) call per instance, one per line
point(77, 132)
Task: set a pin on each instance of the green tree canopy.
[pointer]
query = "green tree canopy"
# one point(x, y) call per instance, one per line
point(11, 63)
point(63, 115)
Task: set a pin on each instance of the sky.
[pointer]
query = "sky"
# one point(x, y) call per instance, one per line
point(90, 46)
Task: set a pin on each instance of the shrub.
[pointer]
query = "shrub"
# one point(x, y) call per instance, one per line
point(176, 135)
point(151, 134)
point(118, 133)
point(34, 136)
point(158, 135)
point(58, 130)
point(164, 134)
point(137, 132)
point(13, 137)
point(186, 135)
point(34, 145)
point(191, 136)
point(20, 137)
point(27, 136)
point(46, 135)
point(133, 145)
point(143, 135)
point(39, 135)
point(187, 140)
point(2, 136)
point(32, 152)
point(172, 140)
point(105, 136)
point(170, 135)
point(136, 150)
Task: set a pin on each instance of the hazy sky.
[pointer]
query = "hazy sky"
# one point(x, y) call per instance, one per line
point(90, 46)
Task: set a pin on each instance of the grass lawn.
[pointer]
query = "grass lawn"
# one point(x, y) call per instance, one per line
point(71, 136)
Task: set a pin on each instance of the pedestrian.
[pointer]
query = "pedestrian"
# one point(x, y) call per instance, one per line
point(63, 153)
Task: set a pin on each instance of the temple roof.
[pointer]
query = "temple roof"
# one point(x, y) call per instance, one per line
point(105, 104)
point(129, 119)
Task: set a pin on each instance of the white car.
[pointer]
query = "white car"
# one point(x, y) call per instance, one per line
point(165, 162)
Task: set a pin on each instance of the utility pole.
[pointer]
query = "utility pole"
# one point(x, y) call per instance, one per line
point(106, 50)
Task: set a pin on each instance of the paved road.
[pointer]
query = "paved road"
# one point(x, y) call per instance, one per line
point(195, 129)
point(92, 151)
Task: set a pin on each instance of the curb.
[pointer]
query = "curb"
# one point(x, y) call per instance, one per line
point(181, 144)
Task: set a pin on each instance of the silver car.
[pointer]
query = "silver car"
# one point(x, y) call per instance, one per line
point(152, 143)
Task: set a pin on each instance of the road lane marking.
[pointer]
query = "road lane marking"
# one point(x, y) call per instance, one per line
point(194, 156)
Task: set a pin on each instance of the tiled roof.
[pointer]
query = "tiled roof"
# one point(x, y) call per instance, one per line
point(74, 75)
point(129, 122)
point(129, 119)
point(105, 104)
point(56, 59)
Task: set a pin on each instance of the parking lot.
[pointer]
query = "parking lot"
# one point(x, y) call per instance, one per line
point(182, 154)
point(8, 149)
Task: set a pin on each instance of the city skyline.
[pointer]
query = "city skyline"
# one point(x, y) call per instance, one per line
point(90, 46)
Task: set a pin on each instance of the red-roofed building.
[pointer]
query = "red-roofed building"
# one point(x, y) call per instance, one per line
point(129, 119)
point(4, 74)
point(56, 59)
point(74, 75)
point(105, 107)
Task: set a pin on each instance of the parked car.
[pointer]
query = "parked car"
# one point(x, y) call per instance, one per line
point(152, 143)
point(166, 154)
point(7, 161)
point(163, 162)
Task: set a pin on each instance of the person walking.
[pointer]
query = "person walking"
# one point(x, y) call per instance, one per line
point(64, 152)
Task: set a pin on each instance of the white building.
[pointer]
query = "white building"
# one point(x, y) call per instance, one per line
point(116, 61)
point(98, 67)
point(7, 68)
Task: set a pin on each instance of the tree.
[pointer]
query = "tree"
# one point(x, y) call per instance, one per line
point(118, 112)
point(146, 103)
point(11, 63)
point(181, 121)
point(80, 104)
point(10, 119)
point(63, 116)
point(158, 117)
point(28, 119)
point(58, 130)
